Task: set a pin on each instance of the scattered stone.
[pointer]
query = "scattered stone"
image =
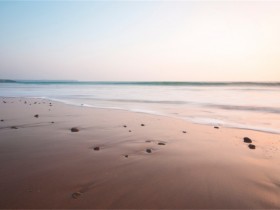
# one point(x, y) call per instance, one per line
point(142, 124)
point(252, 146)
point(247, 140)
point(4, 102)
point(161, 143)
point(126, 156)
point(216, 127)
point(96, 148)
point(36, 115)
point(35, 102)
point(149, 150)
point(25, 102)
point(124, 126)
point(52, 122)
point(76, 195)
point(148, 141)
point(184, 131)
point(129, 131)
point(2, 120)
point(14, 127)
point(74, 129)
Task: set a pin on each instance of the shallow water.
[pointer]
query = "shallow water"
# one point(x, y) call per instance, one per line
point(253, 106)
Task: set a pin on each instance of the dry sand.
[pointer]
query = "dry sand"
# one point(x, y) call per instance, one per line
point(45, 165)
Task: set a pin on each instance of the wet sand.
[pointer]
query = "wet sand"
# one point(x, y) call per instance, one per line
point(113, 161)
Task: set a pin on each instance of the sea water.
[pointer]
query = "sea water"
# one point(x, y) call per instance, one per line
point(245, 105)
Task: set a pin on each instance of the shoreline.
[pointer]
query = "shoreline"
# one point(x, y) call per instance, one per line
point(45, 165)
point(231, 125)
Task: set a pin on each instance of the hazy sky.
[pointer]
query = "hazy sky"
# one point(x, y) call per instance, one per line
point(140, 40)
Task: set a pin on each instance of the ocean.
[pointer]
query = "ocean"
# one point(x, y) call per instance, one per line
point(244, 105)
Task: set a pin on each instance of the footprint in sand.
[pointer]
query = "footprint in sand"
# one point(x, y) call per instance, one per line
point(76, 195)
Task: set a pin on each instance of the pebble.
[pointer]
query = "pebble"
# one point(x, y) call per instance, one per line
point(36, 115)
point(142, 124)
point(96, 148)
point(247, 140)
point(252, 146)
point(149, 150)
point(74, 129)
point(161, 143)
point(216, 127)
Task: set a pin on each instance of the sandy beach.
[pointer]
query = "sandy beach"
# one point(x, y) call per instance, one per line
point(125, 160)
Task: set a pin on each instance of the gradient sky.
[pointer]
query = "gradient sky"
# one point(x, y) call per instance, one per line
point(140, 41)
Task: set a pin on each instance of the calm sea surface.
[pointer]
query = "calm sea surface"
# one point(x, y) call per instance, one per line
point(253, 106)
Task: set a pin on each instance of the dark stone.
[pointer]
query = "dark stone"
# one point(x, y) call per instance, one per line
point(142, 124)
point(4, 102)
point(148, 141)
point(124, 126)
point(14, 127)
point(74, 129)
point(216, 127)
point(126, 156)
point(25, 102)
point(76, 195)
point(96, 148)
point(184, 131)
point(161, 143)
point(2, 120)
point(252, 146)
point(129, 131)
point(52, 122)
point(35, 102)
point(247, 140)
point(149, 150)
point(36, 115)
